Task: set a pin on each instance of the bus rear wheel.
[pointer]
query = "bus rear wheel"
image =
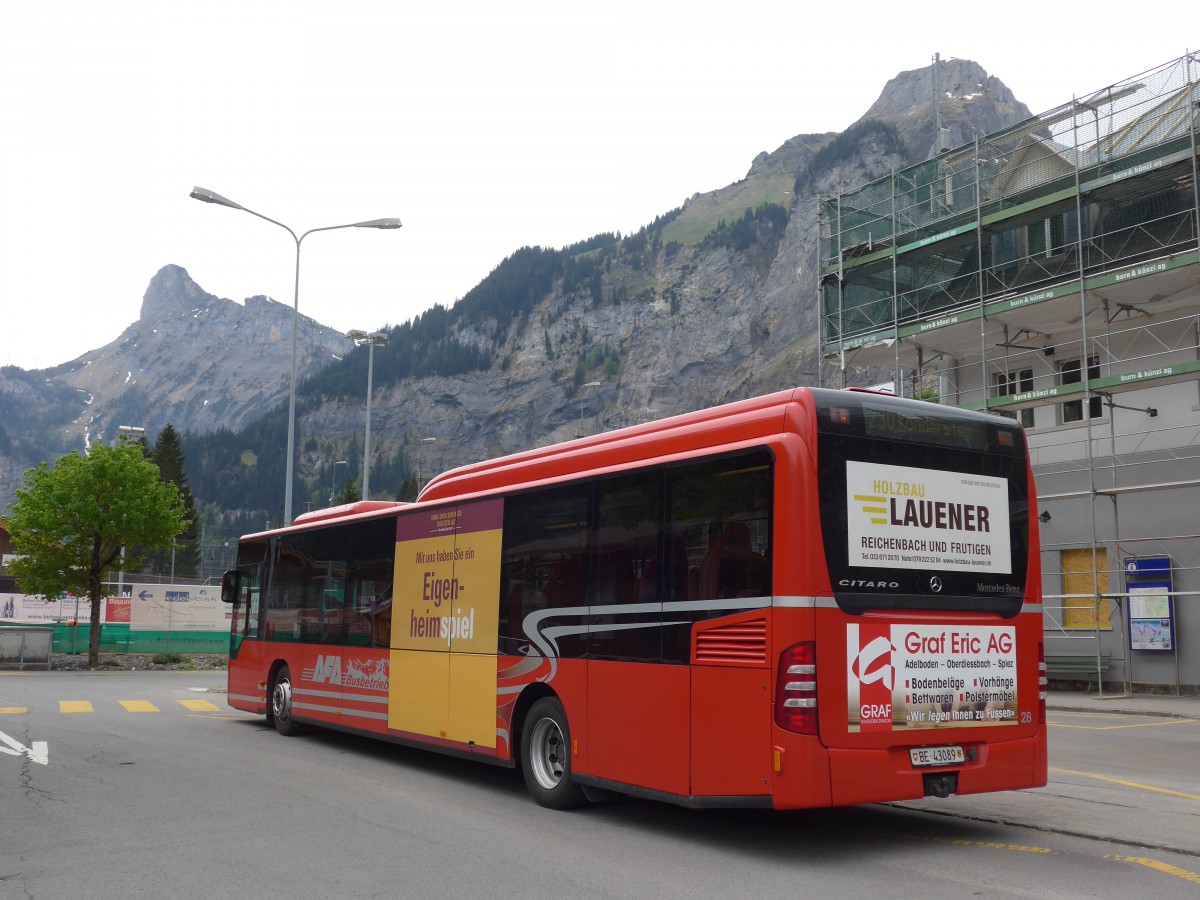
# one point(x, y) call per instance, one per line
point(546, 756)
point(281, 703)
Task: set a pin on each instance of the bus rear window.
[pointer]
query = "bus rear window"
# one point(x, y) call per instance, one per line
point(922, 506)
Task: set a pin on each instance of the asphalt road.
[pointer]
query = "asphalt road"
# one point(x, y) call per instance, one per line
point(162, 790)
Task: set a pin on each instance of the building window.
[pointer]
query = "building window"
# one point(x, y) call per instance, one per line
point(1070, 372)
point(1064, 230)
point(1008, 384)
point(1008, 247)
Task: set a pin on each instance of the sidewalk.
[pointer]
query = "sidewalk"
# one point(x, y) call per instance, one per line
point(1144, 704)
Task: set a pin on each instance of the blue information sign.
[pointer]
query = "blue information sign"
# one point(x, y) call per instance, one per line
point(1148, 580)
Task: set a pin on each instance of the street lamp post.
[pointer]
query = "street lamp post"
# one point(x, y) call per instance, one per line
point(586, 384)
point(208, 196)
point(333, 488)
point(421, 459)
point(134, 433)
point(370, 339)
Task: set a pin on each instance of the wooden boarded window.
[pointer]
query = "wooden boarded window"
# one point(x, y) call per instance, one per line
point(1077, 578)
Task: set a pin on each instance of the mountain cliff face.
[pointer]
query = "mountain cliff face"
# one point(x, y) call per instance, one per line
point(191, 359)
point(715, 301)
point(196, 361)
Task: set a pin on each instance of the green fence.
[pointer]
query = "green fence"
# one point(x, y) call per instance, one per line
point(74, 639)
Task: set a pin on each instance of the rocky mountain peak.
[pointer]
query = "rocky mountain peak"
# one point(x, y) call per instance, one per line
point(973, 103)
point(171, 291)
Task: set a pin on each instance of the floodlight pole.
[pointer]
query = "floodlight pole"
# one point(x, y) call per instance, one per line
point(208, 196)
point(371, 339)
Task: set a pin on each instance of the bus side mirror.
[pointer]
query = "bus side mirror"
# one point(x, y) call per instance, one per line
point(231, 586)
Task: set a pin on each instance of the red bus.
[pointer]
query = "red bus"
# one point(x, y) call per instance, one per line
point(811, 598)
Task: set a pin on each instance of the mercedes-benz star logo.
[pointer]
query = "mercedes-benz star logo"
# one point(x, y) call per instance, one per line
point(935, 584)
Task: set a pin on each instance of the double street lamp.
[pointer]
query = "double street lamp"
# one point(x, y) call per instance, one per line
point(208, 196)
point(370, 339)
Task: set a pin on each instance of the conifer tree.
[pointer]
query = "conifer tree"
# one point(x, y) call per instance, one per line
point(168, 455)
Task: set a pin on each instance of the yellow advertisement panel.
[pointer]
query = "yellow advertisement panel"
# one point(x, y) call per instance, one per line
point(472, 699)
point(445, 615)
point(446, 592)
point(417, 692)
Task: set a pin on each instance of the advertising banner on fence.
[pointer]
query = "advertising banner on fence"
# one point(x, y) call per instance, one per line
point(190, 607)
point(159, 607)
point(29, 609)
point(116, 610)
point(907, 677)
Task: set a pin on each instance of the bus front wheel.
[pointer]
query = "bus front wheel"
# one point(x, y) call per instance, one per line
point(281, 703)
point(546, 756)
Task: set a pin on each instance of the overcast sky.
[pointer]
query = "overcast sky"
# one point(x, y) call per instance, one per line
point(483, 126)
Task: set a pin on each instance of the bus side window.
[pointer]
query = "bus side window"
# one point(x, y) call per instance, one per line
point(249, 599)
point(543, 563)
point(369, 578)
point(725, 571)
point(625, 544)
point(720, 514)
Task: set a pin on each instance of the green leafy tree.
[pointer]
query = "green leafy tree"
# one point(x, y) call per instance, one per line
point(70, 522)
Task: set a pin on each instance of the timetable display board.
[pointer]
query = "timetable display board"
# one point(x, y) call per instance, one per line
point(1151, 620)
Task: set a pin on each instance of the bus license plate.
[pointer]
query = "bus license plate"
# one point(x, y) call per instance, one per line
point(936, 756)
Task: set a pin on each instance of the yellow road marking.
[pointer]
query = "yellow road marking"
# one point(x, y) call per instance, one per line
point(1132, 784)
point(199, 706)
point(5, 710)
point(1091, 715)
point(963, 842)
point(139, 706)
point(74, 706)
point(1166, 868)
point(1155, 724)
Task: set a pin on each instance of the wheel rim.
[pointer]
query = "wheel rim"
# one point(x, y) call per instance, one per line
point(548, 753)
point(281, 699)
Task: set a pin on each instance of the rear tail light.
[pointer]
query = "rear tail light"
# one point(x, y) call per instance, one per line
point(796, 689)
point(1041, 683)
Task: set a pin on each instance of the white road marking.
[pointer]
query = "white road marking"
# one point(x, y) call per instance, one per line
point(38, 753)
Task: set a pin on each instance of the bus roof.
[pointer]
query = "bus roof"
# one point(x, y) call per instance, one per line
point(742, 420)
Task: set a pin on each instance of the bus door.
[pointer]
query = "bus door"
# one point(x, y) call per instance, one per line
point(444, 624)
point(244, 632)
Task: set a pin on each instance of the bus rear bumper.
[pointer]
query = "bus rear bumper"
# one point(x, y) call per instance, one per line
point(880, 775)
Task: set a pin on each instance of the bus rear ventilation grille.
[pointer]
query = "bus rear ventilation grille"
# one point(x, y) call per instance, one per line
point(743, 642)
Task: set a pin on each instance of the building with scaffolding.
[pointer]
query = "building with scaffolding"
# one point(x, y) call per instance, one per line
point(1051, 272)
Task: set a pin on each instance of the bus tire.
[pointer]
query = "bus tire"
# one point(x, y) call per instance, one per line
point(281, 704)
point(546, 756)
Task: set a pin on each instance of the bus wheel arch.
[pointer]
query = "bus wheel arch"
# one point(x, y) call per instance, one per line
point(516, 726)
point(545, 754)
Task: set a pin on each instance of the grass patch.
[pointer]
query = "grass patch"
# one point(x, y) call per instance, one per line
point(702, 214)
